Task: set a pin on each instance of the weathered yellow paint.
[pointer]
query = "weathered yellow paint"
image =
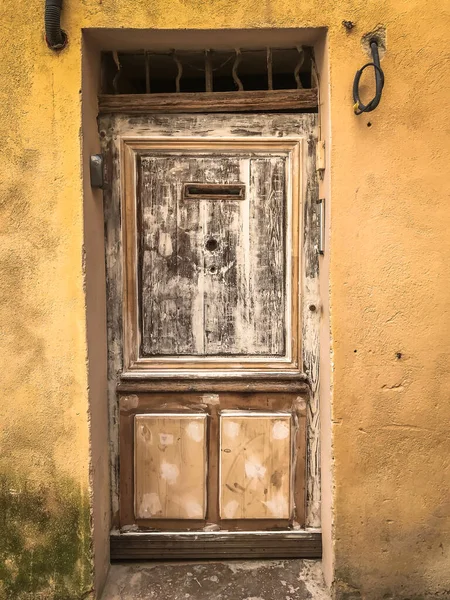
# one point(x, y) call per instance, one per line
point(389, 290)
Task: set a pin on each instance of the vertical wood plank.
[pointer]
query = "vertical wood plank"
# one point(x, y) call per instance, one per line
point(299, 463)
point(189, 256)
point(267, 243)
point(114, 292)
point(159, 285)
point(311, 328)
point(223, 227)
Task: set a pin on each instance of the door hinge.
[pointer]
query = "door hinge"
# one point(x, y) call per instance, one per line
point(96, 170)
point(320, 157)
point(321, 226)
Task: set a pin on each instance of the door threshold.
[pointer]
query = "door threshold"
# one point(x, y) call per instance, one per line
point(224, 579)
point(186, 545)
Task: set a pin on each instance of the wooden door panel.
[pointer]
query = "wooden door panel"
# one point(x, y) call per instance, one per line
point(234, 461)
point(255, 465)
point(211, 270)
point(170, 465)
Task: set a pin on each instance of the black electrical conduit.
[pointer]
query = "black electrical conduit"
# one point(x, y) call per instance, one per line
point(55, 37)
point(358, 106)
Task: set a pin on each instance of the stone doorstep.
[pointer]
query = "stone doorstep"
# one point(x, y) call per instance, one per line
point(217, 580)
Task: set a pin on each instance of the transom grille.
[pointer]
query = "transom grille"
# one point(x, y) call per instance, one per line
point(208, 70)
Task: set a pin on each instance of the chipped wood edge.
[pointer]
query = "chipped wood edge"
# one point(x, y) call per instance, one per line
point(113, 249)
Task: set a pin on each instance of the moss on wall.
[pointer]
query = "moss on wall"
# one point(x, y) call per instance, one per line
point(44, 541)
point(45, 533)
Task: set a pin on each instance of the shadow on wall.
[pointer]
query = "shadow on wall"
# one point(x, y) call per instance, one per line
point(44, 541)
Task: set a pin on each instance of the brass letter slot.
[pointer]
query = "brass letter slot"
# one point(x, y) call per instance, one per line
point(214, 191)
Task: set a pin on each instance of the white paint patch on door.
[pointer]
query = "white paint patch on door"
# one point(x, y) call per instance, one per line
point(231, 429)
point(146, 434)
point(278, 506)
point(254, 469)
point(230, 509)
point(165, 244)
point(169, 472)
point(193, 509)
point(150, 505)
point(195, 431)
point(280, 430)
point(129, 402)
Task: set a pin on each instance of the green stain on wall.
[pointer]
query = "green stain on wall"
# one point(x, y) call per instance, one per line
point(45, 551)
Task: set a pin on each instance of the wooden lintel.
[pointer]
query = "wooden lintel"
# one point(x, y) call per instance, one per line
point(178, 545)
point(240, 101)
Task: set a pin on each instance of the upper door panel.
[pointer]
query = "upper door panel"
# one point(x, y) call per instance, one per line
point(212, 255)
point(210, 239)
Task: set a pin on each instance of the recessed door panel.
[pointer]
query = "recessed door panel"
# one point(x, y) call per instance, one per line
point(170, 466)
point(211, 254)
point(255, 465)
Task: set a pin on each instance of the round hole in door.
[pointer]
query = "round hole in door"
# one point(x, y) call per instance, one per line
point(211, 245)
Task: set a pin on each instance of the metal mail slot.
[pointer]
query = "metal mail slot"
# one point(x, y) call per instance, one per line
point(214, 191)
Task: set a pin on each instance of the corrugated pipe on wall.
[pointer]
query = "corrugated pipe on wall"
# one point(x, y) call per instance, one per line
point(55, 37)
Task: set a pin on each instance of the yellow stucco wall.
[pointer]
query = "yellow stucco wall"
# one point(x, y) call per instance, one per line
point(389, 291)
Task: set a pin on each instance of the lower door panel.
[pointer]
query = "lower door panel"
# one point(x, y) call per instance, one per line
point(212, 474)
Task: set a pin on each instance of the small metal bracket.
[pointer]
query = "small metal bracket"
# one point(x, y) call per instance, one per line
point(321, 219)
point(320, 157)
point(96, 170)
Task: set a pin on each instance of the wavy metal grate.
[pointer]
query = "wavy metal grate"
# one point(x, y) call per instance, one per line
point(208, 70)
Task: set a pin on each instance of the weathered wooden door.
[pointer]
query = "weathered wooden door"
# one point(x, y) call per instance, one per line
point(211, 229)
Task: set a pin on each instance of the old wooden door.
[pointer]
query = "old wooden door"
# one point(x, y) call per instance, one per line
point(211, 257)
